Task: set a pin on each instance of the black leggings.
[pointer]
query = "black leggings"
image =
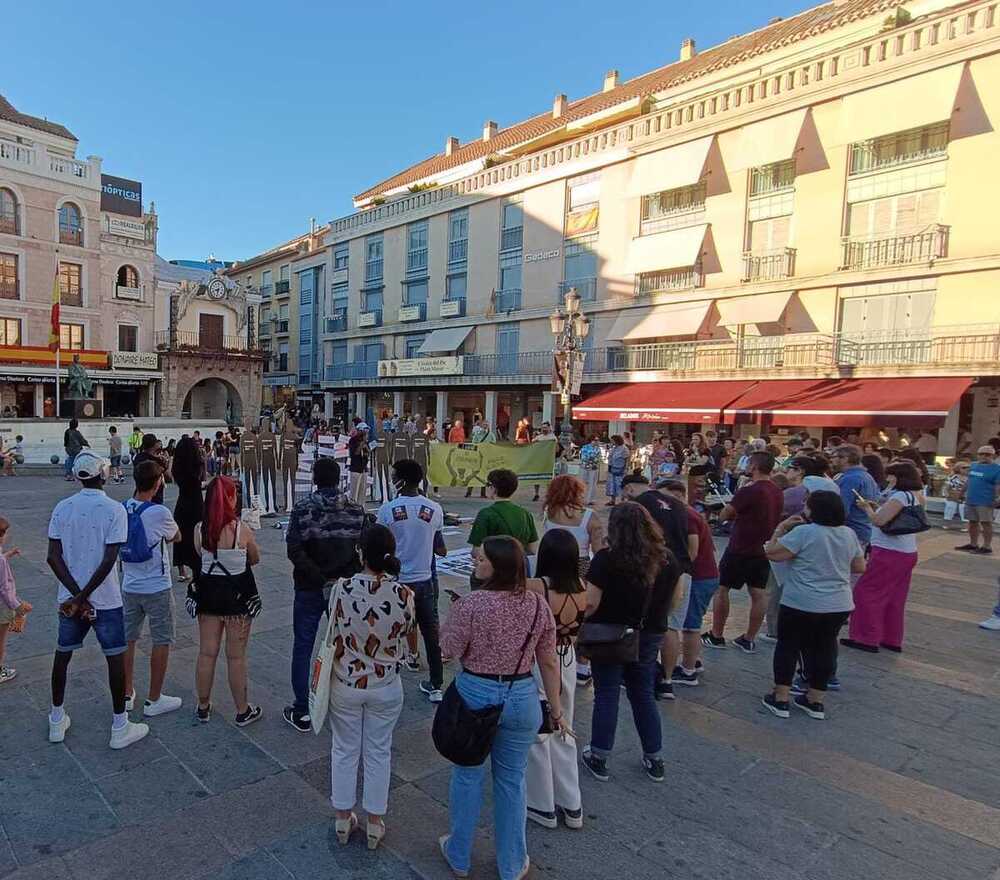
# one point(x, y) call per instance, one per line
point(814, 637)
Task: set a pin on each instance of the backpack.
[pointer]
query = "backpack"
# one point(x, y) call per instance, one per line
point(137, 547)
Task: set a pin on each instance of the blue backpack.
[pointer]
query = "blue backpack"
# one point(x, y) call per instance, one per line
point(137, 547)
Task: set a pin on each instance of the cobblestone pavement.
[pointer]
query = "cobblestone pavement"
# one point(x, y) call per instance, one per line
point(902, 781)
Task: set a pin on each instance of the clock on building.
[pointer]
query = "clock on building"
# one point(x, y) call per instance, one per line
point(217, 288)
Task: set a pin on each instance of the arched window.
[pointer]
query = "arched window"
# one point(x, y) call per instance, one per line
point(9, 221)
point(70, 225)
point(128, 277)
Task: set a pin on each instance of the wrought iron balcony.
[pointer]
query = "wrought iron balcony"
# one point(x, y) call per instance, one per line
point(896, 250)
point(280, 325)
point(586, 289)
point(522, 363)
point(453, 308)
point(685, 278)
point(413, 312)
point(458, 250)
point(769, 265)
point(509, 300)
point(373, 271)
point(281, 287)
point(338, 323)
point(186, 340)
point(337, 372)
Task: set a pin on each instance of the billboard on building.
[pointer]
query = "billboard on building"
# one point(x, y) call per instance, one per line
point(121, 196)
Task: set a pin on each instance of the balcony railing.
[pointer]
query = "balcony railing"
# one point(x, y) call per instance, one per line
point(416, 260)
point(186, 340)
point(413, 312)
point(10, 289)
point(372, 318)
point(280, 325)
point(9, 224)
point(338, 323)
point(264, 328)
point(458, 250)
point(586, 289)
point(649, 283)
point(903, 148)
point(523, 363)
point(335, 372)
point(511, 239)
point(895, 250)
point(769, 265)
point(509, 300)
point(70, 235)
point(281, 287)
point(266, 290)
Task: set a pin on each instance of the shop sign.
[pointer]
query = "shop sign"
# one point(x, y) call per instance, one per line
point(134, 229)
point(119, 195)
point(28, 380)
point(409, 313)
point(430, 366)
point(541, 256)
point(134, 360)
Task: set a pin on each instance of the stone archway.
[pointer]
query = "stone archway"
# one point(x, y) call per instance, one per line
point(213, 398)
point(239, 378)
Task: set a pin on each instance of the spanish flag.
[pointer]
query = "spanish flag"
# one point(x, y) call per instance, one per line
point(54, 334)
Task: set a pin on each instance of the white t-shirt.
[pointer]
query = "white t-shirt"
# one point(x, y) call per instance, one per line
point(86, 523)
point(413, 520)
point(899, 543)
point(153, 575)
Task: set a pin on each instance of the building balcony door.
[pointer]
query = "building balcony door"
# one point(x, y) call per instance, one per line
point(210, 332)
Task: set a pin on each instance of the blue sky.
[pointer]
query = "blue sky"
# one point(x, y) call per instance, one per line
point(245, 119)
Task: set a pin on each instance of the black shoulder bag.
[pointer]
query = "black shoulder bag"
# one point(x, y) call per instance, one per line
point(613, 643)
point(465, 736)
point(911, 519)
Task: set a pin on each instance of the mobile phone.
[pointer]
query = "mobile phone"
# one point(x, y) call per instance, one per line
point(859, 496)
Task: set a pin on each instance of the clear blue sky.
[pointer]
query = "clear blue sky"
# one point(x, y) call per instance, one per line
point(245, 119)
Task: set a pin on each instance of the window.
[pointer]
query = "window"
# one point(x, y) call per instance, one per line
point(413, 344)
point(458, 237)
point(371, 300)
point(510, 272)
point(455, 287)
point(416, 247)
point(128, 337)
point(373, 258)
point(907, 213)
point(282, 362)
point(507, 346)
point(341, 257)
point(882, 310)
point(772, 178)
point(128, 276)
point(70, 225)
point(10, 331)
point(8, 276)
point(71, 284)
point(511, 226)
point(340, 299)
point(307, 281)
point(771, 234)
point(901, 148)
point(580, 269)
point(285, 273)
point(338, 353)
point(368, 352)
point(672, 208)
point(582, 209)
point(71, 336)
point(416, 292)
point(9, 218)
point(265, 281)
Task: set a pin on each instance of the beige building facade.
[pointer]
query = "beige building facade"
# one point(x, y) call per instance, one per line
point(810, 203)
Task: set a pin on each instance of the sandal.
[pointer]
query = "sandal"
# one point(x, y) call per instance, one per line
point(345, 828)
point(376, 831)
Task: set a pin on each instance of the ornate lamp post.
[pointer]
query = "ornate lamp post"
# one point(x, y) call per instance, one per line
point(570, 329)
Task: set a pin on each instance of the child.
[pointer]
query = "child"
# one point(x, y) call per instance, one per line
point(12, 456)
point(668, 467)
point(12, 609)
point(115, 454)
point(955, 492)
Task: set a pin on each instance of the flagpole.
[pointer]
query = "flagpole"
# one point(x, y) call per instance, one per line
point(58, 409)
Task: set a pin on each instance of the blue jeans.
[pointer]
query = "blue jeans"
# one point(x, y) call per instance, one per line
point(307, 612)
point(639, 680)
point(519, 723)
point(425, 601)
point(68, 464)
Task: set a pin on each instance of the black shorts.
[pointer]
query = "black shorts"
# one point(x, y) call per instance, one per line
point(736, 570)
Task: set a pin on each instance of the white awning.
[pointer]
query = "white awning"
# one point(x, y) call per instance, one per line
point(908, 103)
point(682, 165)
point(762, 308)
point(444, 340)
point(772, 140)
point(666, 250)
point(652, 322)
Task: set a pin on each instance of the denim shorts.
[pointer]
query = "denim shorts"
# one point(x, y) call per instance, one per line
point(701, 595)
point(682, 597)
point(109, 627)
point(158, 607)
point(116, 461)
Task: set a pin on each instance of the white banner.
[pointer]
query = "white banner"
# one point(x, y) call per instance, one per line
point(427, 366)
point(134, 360)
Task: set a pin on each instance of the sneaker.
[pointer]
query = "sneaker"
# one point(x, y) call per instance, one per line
point(679, 676)
point(983, 551)
point(443, 844)
point(433, 692)
point(412, 662)
point(202, 716)
point(712, 641)
point(767, 637)
point(776, 707)
point(572, 818)
point(833, 684)
point(57, 729)
point(130, 702)
point(745, 645)
point(251, 715)
point(546, 820)
point(125, 736)
point(299, 720)
point(813, 710)
point(597, 766)
point(699, 667)
point(7, 673)
point(664, 690)
point(152, 708)
point(991, 623)
point(966, 547)
point(524, 871)
point(654, 769)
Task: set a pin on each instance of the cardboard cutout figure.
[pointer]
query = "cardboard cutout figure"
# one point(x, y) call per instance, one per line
point(290, 437)
point(250, 463)
point(268, 450)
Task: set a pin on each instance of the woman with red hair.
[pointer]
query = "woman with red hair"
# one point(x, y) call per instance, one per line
point(566, 508)
point(223, 596)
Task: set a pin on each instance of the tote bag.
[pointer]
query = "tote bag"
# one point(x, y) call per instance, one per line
point(322, 670)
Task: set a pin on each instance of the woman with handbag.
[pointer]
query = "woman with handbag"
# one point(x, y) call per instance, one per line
point(553, 771)
point(880, 594)
point(630, 590)
point(371, 613)
point(498, 632)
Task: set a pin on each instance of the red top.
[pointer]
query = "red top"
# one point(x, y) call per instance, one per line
point(703, 566)
point(456, 434)
point(758, 511)
point(486, 631)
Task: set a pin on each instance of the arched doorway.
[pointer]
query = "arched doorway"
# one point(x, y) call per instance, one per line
point(213, 399)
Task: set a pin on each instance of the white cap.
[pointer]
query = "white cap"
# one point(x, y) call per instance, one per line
point(815, 483)
point(87, 465)
point(986, 449)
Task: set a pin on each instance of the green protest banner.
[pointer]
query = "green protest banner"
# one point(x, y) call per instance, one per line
point(467, 464)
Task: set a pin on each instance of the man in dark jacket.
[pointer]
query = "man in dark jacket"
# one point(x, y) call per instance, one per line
point(323, 535)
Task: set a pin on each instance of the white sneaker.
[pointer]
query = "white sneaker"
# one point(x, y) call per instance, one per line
point(162, 706)
point(130, 733)
point(991, 623)
point(57, 729)
point(7, 673)
point(130, 702)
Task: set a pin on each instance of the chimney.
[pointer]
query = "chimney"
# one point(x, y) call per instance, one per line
point(610, 80)
point(489, 130)
point(558, 106)
point(688, 50)
point(450, 145)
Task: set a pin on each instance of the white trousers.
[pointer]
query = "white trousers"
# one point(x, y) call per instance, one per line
point(590, 478)
point(953, 507)
point(359, 482)
point(362, 723)
point(553, 769)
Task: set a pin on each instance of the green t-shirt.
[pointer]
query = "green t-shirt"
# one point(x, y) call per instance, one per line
point(503, 518)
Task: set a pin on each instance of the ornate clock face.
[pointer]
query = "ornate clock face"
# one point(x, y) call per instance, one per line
point(217, 288)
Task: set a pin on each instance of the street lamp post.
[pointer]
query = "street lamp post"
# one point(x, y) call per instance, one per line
point(570, 329)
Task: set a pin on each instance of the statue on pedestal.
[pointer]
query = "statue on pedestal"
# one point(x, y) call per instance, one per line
point(78, 383)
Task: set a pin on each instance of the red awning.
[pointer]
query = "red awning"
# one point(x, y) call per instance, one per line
point(916, 402)
point(662, 402)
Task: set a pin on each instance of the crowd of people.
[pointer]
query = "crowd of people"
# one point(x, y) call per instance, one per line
point(821, 538)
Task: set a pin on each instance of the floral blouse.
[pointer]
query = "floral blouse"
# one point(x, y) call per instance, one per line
point(372, 617)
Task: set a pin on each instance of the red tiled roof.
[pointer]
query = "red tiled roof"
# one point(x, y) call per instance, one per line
point(8, 112)
point(781, 33)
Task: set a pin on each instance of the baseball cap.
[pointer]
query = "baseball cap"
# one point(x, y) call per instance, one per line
point(89, 465)
point(986, 449)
